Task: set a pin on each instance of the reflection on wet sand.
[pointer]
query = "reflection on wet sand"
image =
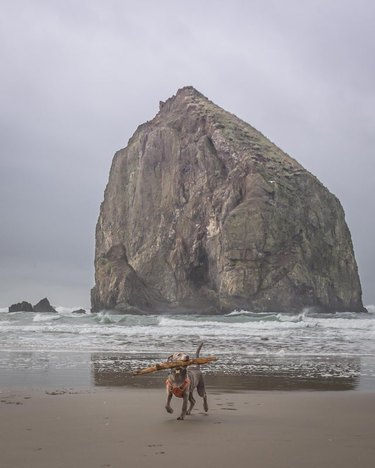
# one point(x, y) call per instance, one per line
point(308, 373)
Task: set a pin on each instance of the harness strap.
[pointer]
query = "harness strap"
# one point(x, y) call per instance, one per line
point(178, 391)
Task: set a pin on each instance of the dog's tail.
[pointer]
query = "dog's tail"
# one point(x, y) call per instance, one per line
point(198, 350)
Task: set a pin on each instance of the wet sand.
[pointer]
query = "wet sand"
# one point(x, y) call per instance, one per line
point(128, 427)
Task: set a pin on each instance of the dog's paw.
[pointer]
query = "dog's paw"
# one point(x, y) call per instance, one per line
point(180, 418)
point(169, 409)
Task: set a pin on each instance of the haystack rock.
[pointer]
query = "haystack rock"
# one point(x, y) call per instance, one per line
point(204, 214)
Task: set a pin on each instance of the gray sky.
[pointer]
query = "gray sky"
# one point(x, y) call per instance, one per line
point(77, 77)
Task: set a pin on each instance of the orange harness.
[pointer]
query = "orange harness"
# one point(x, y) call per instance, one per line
point(177, 391)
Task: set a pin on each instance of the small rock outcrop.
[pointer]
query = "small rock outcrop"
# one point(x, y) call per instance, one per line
point(21, 307)
point(202, 213)
point(43, 306)
point(79, 312)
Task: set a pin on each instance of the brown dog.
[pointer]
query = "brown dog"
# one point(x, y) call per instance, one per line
point(181, 383)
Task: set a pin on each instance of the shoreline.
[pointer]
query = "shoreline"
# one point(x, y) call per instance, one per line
point(116, 427)
point(105, 369)
point(91, 378)
point(28, 370)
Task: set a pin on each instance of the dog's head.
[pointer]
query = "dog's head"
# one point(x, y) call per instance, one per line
point(178, 373)
point(178, 357)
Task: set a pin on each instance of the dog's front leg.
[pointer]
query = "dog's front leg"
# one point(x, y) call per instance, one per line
point(184, 406)
point(168, 406)
point(192, 403)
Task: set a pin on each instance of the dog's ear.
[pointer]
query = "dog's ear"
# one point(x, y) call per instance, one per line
point(170, 358)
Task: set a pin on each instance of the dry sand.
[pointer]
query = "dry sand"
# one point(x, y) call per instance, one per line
point(121, 427)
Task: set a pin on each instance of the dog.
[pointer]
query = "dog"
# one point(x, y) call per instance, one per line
point(182, 382)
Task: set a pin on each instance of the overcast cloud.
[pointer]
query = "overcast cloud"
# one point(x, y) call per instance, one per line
point(77, 78)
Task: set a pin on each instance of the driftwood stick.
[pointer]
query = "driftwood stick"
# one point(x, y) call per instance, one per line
point(172, 364)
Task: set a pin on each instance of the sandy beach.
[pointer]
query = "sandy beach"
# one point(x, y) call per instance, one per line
point(295, 391)
point(128, 427)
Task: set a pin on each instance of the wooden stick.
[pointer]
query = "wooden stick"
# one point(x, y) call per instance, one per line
point(173, 364)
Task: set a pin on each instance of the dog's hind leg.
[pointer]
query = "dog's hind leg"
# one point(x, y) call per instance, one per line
point(192, 403)
point(205, 403)
point(201, 389)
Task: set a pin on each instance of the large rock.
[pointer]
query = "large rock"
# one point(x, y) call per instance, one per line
point(44, 306)
point(203, 213)
point(21, 307)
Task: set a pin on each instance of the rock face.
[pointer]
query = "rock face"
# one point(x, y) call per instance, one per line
point(21, 307)
point(202, 213)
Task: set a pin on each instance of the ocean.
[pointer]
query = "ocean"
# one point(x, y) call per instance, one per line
point(276, 351)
